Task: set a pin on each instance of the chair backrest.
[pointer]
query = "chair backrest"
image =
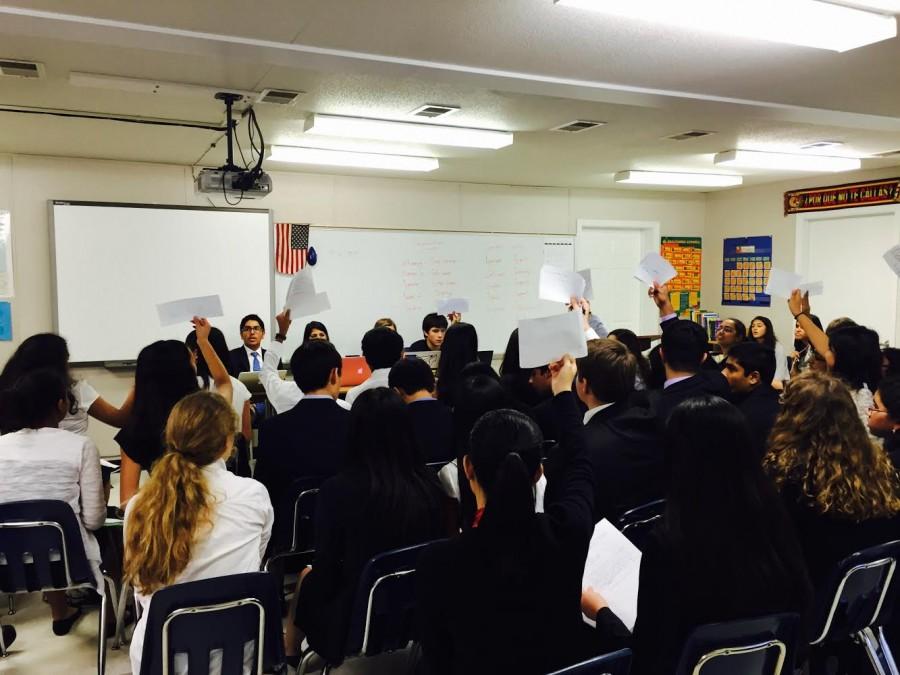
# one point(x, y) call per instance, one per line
point(762, 646)
point(861, 592)
point(383, 614)
point(637, 523)
point(615, 663)
point(303, 536)
point(41, 547)
point(220, 613)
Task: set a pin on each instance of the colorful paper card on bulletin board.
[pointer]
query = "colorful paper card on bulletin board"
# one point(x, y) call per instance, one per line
point(746, 263)
point(5, 322)
point(685, 254)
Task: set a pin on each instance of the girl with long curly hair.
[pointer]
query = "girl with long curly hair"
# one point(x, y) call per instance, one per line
point(193, 519)
point(839, 486)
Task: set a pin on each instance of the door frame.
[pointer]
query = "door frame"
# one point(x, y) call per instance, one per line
point(650, 240)
point(803, 230)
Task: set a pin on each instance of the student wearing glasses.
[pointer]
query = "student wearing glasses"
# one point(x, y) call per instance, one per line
point(248, 358)
point(884, 416)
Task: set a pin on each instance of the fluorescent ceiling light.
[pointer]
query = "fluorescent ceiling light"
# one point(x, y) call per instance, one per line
point(751, 159)
point(808, 23)
point(406, 132)
point(363, 160)
point(677, 179)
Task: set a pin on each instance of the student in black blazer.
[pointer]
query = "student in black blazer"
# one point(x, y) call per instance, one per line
point(432, 422)
point(253, 331)
point(385, 498)
point(725, 549)
point(308, 440)
point(504, 596)
point(624, 443)
point(750, 369)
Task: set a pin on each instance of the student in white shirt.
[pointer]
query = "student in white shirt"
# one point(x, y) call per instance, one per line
point(240, 395)
point(194, 519)
point(40, 461)
point(382, 348)
point(283, 395)
point(48, 350)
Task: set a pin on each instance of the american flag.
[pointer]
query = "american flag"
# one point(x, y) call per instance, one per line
point(291, 243)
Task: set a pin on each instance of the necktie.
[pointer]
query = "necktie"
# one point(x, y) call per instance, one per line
point(255, 365)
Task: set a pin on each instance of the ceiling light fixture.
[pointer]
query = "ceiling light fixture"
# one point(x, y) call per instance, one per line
point(361, 160)
point(674, 179)
point(781, 161)
point(808, 23)
point(406, 132)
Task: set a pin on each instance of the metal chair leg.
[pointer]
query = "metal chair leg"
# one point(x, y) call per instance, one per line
point(11, 599)
point(304, 662)
point(3, 653)
point(120, 615)
point(878, 652)
point(101, 642)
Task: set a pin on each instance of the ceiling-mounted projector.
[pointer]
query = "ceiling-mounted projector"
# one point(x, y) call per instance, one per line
point(230, 179)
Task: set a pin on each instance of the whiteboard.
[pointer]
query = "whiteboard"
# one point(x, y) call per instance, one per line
point(113, 263)
point(369, 274)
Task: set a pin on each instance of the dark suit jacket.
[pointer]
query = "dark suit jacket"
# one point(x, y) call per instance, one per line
point(308, 440)
point(481, 611)
point(239, 362)
point(760, 407)
point(704, 383)
point(433, 428)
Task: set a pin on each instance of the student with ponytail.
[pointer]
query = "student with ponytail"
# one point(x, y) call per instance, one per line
point(40, 461)
point(193, 519)
point(505, 596)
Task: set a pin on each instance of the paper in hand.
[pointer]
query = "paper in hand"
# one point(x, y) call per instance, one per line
point(612, 569)
point(547, 340)
point(560, 285)
point(452, 305)
point(588, 286)
point(302, 298)
point(182, 311)
point(892, 258)
point(654, 269)
point(782, 283)
point(812, 288)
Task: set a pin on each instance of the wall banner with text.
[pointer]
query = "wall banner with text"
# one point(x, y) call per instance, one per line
point(871, 193)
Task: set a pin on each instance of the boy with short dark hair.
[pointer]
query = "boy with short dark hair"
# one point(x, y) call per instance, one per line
point(432, 422)
point(749, 370)
point(382, 348)
point(433, 328)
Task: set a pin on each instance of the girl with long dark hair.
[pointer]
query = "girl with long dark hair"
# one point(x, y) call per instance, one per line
point(50, 351)
point(762, 332)
point(630, 340)
point(803, 354)
point(725, 548)
point(315, 330)
point(504, 596)
point(385, 498)
point(164, 375)
point(460, 348)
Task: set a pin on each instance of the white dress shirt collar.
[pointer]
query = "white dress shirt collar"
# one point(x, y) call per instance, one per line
point(593, 411)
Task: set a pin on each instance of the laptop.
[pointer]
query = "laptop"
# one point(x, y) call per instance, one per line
point(354, 371)
point(431, 358)
point(251, 380)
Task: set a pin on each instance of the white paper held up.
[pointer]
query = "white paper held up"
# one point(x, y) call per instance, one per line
point(559, 285)
point(451, 305)
point(547, 340)
point(654, 269)
point(892, 258)
point(782, 283)
point(588, 285)
point(612, 569)
point(302, 298)
point(182, 311)
point(812, 288)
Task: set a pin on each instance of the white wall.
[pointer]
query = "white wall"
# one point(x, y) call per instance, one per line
point(28, 182)
point(759, 210)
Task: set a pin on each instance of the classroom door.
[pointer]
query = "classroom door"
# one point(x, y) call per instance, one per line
point(612, 251)
point(844, 249)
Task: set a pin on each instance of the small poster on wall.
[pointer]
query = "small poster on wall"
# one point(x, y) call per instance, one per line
point(685, 255)
point(746, 263)
point(6, 266)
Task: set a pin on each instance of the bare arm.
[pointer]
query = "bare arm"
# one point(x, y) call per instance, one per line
point(799, 306)
point(106, 412)
point(128, 480)
point(245, 422)
point(217, 369)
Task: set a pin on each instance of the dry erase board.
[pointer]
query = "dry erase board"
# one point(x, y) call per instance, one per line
point(369, 274)
point(113, 263)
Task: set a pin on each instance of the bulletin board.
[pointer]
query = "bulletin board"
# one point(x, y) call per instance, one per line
point(746, 262)
point(685, 254)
